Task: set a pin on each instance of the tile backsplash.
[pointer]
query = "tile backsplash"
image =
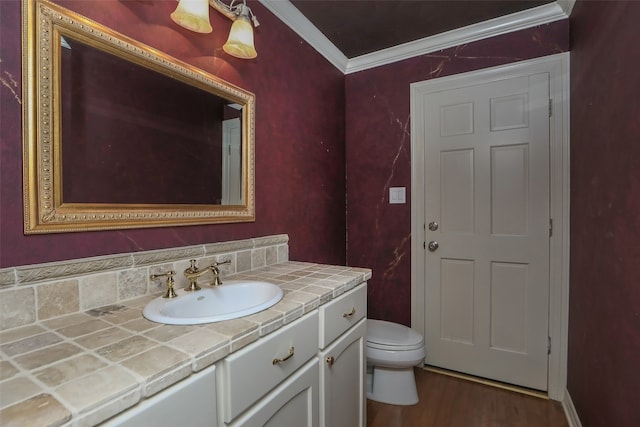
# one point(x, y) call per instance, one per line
point(33, 293)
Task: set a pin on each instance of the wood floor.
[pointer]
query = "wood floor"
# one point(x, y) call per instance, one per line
point(447, 401)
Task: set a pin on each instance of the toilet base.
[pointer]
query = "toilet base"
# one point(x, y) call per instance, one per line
point(393, 386)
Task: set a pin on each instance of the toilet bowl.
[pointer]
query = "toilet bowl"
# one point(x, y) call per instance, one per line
point(392, 352)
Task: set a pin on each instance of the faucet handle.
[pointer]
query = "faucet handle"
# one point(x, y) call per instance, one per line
point(216, 264)
point(216, 272)
point(170, 293)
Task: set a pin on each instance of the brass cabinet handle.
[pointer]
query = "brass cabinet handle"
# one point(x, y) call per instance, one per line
point(351, 313)
point(278, 361)
point(329, 360)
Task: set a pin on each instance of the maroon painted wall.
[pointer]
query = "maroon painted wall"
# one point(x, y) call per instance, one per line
point(604, 312)
point(300, 163)
point(379, 154)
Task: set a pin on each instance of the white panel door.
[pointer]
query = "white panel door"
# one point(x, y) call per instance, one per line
point(487, 219)
point(231, 162)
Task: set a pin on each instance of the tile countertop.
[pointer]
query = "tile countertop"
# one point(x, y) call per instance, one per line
point(82, 369)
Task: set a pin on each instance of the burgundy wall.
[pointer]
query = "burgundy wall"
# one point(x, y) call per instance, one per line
point(300, 163)
point(604, 313)
point(379, 154)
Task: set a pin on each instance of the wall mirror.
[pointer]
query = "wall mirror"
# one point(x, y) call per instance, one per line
point(119, 135)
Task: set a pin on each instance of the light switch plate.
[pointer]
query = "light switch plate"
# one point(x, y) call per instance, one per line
point(397, 195)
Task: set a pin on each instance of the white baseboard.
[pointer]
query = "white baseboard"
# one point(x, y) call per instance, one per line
point(570, 411)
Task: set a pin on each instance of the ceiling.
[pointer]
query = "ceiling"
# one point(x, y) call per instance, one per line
point(359, 27)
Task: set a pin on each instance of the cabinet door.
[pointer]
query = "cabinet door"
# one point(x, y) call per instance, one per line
point(342, 380)
point(249, 374)
point(294, 403)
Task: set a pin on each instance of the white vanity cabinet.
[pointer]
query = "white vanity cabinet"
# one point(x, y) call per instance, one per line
point(343, 360)
point(310, 373)
point(342, 380)
point(247, 375)
point(293, 403)
point(322, 384)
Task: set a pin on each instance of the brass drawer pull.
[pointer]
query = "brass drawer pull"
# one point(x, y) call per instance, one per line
point(329, 360)
point(278, 361)
point(351, 313)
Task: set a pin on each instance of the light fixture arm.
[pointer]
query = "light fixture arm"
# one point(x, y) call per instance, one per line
point(233, 10)
point(224, 9)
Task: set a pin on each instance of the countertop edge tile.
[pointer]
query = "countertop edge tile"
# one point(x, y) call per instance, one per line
point(44, 407)
point(209, 359)
point(159, 384)
point(109, 409)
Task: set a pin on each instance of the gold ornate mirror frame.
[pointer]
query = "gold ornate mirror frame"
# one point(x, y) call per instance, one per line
point(45, 211)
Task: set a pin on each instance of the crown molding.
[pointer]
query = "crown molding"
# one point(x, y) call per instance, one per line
point(566, 5)
point(494, 27)
point(292, 17)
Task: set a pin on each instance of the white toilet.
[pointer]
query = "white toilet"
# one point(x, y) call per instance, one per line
point(392, 352)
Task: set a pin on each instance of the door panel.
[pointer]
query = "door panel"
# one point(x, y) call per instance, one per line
point(509, 306)
point(487, 185)
point(457, 196)
point(456, 293)
point(510, 190)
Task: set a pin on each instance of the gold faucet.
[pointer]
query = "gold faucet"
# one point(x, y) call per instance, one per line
point(193, 273)
point(170, 293)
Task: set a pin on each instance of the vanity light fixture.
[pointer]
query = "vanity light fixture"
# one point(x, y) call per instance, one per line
point(194, 15)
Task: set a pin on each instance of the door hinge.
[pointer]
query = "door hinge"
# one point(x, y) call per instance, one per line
point(550, 107)
point(548, 345)
point(550, 227)
point(424, 245)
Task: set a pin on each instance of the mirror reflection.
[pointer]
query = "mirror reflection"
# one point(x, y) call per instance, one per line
point(119, 135)
point(133, 135)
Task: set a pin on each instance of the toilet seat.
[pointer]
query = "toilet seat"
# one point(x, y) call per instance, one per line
point(394, 347)
point(385, 335)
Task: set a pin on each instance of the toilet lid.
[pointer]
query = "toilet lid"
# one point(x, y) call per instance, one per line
point(388, 335)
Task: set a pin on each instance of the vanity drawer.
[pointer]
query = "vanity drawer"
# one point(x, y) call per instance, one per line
point(342, 313)
point(247, 375)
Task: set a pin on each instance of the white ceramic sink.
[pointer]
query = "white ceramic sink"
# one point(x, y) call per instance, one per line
point(232, 299)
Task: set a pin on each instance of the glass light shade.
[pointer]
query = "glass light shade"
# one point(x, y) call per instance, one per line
point(240, 41)
point(193, 15)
